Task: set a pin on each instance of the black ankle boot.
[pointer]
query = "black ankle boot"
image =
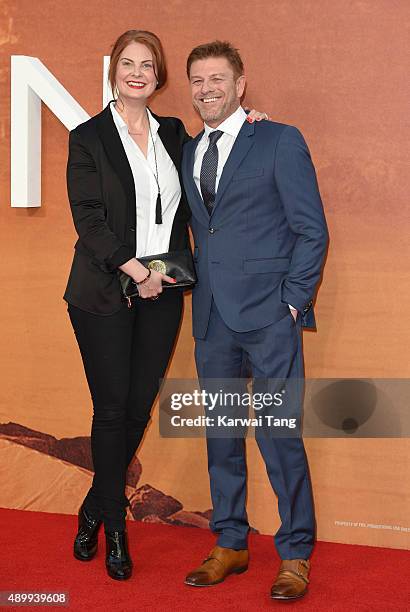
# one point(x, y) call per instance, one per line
point(86, 540)
point(117, 560)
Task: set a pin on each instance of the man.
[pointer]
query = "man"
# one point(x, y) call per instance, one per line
point(260, 240)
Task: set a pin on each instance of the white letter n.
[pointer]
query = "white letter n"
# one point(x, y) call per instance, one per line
point(32, 83)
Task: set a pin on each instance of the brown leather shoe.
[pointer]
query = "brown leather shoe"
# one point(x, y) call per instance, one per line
point(218, 565)
point(292, 579)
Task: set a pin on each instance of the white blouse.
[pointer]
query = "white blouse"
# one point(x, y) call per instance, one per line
point(151, 238)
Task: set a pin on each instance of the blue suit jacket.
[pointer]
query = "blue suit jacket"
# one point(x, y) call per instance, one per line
point(264, 244)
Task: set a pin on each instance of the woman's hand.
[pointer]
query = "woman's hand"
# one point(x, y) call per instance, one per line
point(255, 115)
point(152, 288)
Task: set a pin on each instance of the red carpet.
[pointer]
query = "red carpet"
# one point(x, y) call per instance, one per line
point(36, 555)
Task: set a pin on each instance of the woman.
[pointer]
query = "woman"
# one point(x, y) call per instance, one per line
point(125, 193)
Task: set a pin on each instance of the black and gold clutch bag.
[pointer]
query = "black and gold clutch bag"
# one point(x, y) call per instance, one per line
point(177, 264)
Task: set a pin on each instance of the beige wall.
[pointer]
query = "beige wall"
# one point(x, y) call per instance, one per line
point(337, 71)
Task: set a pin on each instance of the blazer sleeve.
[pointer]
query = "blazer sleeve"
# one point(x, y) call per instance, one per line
point(88, 210)
point(299, 192)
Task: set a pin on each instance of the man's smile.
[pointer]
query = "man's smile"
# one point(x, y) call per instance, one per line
point(210, 99)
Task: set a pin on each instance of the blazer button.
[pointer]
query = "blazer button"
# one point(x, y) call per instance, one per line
point(211, 230)
point(132, 229)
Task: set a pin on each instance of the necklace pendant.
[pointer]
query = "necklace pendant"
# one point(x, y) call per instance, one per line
point(158, 210)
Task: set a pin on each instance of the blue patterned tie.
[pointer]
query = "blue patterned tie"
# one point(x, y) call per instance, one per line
point(208, 170)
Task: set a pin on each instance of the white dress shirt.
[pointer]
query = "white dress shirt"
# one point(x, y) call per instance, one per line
point(151, 238)
point(230, 128)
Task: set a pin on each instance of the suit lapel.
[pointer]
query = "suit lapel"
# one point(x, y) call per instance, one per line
point(194, 197)
point(169, 139)
point(116, 154)
point(242, 144)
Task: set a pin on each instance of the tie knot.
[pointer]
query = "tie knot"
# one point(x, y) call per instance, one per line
point(214, 136)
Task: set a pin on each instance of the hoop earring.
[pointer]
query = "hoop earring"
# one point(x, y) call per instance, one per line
point(118, 101)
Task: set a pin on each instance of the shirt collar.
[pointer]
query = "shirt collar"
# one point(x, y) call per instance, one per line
point(122, 126)
point(231, 125)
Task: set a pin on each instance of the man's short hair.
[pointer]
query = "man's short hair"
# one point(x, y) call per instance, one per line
point(217, 48)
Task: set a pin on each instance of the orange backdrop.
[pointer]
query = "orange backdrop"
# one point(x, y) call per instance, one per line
point(337, 71)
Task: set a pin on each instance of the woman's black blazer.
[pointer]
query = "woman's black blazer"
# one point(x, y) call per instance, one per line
point(102, 199)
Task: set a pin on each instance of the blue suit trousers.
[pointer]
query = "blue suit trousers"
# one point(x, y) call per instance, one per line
point(273, 352)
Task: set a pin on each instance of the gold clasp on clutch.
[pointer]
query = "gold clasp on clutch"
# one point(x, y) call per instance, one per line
point(158, 265)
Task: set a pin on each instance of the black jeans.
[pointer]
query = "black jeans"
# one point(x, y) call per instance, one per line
point(124, 356)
